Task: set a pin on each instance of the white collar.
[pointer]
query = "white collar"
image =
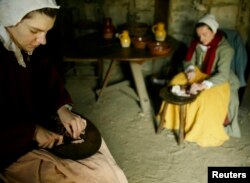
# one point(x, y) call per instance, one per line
point(203, 47)
point(11, 46)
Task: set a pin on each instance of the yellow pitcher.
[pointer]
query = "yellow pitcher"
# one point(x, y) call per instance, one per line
point(159, 31)
point(125, 39)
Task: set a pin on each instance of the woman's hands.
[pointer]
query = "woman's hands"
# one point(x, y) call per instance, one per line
point(46, 138)
point(196, 87)
point(73, 123)
point(190, 75)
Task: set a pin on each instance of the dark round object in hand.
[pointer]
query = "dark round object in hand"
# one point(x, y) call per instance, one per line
point(92, 142)
point(167, 95)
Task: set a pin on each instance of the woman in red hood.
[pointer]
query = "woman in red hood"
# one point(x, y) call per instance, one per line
point(207, 71)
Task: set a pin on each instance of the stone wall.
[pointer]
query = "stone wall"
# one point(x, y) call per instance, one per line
point(179, 16)
point(232, 14)
point(121, 11)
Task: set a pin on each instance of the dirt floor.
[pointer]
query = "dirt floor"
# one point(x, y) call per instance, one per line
point(147, 157)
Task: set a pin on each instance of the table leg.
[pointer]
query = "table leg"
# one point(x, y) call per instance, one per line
point(140, 87)
point(100, 69)
point(106, 78)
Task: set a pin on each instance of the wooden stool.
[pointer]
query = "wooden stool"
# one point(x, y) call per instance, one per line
point(170, 98)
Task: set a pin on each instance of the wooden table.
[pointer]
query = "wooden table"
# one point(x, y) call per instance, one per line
point(95, 47)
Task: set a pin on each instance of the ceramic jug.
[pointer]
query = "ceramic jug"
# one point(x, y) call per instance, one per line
point(125, 39)
point(108, 28)
point(159, 31)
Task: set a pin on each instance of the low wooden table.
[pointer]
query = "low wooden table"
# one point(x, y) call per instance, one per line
point(93, 46)
point(135, 57)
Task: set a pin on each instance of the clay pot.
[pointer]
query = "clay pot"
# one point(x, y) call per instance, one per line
point(125, 39)
point(108, 28)
point(140, 42)
point(159, 48)
point(159, 31)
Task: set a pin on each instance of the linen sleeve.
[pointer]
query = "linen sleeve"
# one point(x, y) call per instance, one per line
point(189, 65)
point(221, 71)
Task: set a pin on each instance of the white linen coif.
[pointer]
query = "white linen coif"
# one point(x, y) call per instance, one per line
point(11, 13)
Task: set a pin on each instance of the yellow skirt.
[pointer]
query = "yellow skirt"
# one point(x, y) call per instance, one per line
point(205, 116)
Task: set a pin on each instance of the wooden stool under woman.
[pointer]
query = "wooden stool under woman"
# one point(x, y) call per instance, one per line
point(181, 101)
